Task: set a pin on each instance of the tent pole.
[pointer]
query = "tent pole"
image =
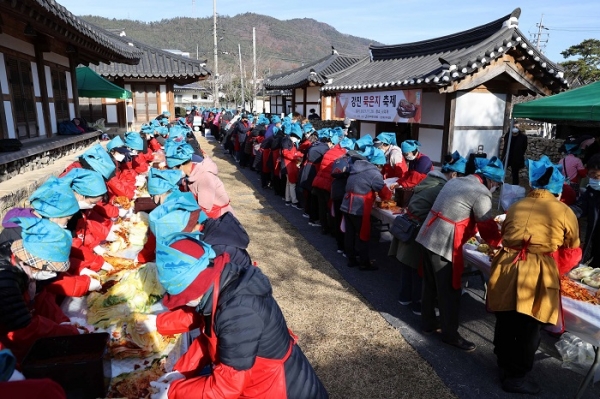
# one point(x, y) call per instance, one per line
point(506, 155)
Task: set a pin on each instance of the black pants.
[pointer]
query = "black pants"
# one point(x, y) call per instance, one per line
point(337, 222)
point(265, 178)
point(215, 131)
point(437, 283)
point(516, 338)
point(324, 213)
point(411, 284)
point(278, 185)
point(353, 244)
point(515, 169)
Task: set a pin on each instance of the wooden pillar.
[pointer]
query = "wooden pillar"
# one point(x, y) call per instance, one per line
point(171, 98)
point(449, 113)
point(73, 62)
point(39, 60)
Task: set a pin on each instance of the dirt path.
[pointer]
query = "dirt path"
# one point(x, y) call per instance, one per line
point(355, 352)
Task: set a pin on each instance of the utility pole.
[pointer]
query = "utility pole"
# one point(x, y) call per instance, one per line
point(538, 39)
point(216, 71)
point(254, 104)
point(242, 77)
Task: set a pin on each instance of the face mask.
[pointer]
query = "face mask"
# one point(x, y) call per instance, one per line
point(133, 152)
point(295, 140)
point(119, 157)
point(493, 189)
point(85, 205)
point(410, 157)
point(594, 184)
point(183, 173)
point(43, 275)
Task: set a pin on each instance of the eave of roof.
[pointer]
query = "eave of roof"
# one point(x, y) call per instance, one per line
point(155, 63)
point(440, 62)
point(316, 72)
point(54, 20)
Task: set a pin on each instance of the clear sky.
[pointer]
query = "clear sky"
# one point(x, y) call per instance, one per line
point(386, 21)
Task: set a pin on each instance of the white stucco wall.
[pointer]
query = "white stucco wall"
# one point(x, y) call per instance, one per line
point(467, 141)
point(431, 143)
point(17, 45)
point(313, 94)
point(479, 109)
point(367, 128)
point(434, 105)
point(57, 59)
point(299, 95)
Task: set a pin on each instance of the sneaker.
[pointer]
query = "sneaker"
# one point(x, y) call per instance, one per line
point(314, 224)
point(436, 330)
point(461, 344)
point(305, 215)
point(344, 254)
point(370, 266)
point(416, 308)
point(288, 203)
point(297, 206)
point(340, 251)
point(520, 385)
point(404, 303)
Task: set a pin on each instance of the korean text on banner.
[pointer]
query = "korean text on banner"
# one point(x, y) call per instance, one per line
point(385, 106)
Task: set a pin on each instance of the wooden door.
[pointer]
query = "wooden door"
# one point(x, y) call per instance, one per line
point(145, 102)
point(21, 90)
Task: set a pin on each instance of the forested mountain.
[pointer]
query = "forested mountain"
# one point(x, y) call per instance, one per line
point(281, 45)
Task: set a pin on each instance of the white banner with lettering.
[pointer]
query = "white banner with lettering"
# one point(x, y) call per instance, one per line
point(385, 106)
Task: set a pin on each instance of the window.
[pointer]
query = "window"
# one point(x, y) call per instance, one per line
point(61, 100)
point(20, 83)
point(178, 98)
point(194, 96)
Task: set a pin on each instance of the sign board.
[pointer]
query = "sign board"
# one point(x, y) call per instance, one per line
point(384, 106)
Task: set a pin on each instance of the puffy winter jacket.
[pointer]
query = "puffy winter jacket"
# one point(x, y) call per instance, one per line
point(323, 179)
point(248, 324)
point(364, 178)
point(227, 235)
point(309, 170)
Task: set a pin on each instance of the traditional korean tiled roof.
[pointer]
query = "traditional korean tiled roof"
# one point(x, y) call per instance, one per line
point(446, 60)
point(317, 72)
point(53, 20)
point(155, 63)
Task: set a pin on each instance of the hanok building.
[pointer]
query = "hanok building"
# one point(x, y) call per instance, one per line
point(451, 93)
point(305, 84)
point(152, 82)
point(41, 44)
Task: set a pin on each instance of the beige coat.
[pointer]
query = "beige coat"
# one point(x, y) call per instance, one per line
point(529, 283)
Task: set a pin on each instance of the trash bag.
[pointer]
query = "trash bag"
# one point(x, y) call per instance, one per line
point(510, 194)
point(577, 355)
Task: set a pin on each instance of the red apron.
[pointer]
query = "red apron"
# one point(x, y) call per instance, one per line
point(368, 199)
point(215, 211)
point(463, 230)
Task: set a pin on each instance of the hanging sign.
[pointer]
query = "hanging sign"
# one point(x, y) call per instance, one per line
point(384, 106)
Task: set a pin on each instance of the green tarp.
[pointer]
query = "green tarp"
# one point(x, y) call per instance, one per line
point(580, 104)
point(92, 85)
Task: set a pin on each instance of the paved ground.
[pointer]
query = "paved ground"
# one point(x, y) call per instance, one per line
point(467, 375)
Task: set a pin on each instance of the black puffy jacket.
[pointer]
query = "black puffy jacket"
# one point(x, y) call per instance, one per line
point(14, 313)
point(226, 234)
point(249, 323)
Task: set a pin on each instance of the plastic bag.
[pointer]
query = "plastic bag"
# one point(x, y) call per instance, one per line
point(577, 355)
point(510, 194)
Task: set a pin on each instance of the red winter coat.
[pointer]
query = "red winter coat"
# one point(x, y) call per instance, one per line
point(291, 158)
point(178, 321)
point(43, 388)
point(323, 179)
point(92, 228)
point(154, 145)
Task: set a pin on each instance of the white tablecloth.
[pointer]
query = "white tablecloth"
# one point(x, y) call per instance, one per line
point(385, 215)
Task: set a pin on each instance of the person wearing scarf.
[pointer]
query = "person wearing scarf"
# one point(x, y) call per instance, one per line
point(244, 338)
point(395, 165)
point(540, 238)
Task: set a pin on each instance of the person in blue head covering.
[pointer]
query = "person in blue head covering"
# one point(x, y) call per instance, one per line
point(54, 199)
point(307, 129)
point(96, 158)
point(348, 143)
point(419, 164)
point(463, 206)
point(177, 214)
point(87, 185)
point(177, 153)
point(540, 237)
point(363, 142)
point(161, 183)
point(396, 165)
point(134, 141)
point(377, 158)
point(408, 253)
point(115, 142)
point(40, 253)
point(195, 278)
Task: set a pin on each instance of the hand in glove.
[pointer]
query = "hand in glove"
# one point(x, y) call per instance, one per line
point(140, 180)
point(94, 285)
point(147, 325)
point(98, 250)
point(122, 212)
point(16, 376)
point(89, 272)
point(164, 383)
point(107, 267)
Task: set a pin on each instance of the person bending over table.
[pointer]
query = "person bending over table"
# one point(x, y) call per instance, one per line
point(541, 241)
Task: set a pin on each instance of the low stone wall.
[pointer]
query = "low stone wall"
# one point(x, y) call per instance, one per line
point(42, 160)
point(536, 147)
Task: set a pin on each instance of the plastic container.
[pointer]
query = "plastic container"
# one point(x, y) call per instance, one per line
point(79, 363)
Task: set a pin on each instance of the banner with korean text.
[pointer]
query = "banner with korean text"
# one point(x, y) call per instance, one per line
point(384, 106)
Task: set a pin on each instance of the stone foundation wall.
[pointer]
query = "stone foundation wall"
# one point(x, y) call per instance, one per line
point(536, 147)
point(42, 160)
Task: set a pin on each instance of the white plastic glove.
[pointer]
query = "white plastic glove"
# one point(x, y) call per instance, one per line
point(122, 212)
point(146, 326)
point(140, 180)
point(16, 376)
point(89, 272)
point(163, 384)
point(94, 285)
point(162, 164)
point(107, 267)
point(98, 250)
point(111, 237)
point(171, 376)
